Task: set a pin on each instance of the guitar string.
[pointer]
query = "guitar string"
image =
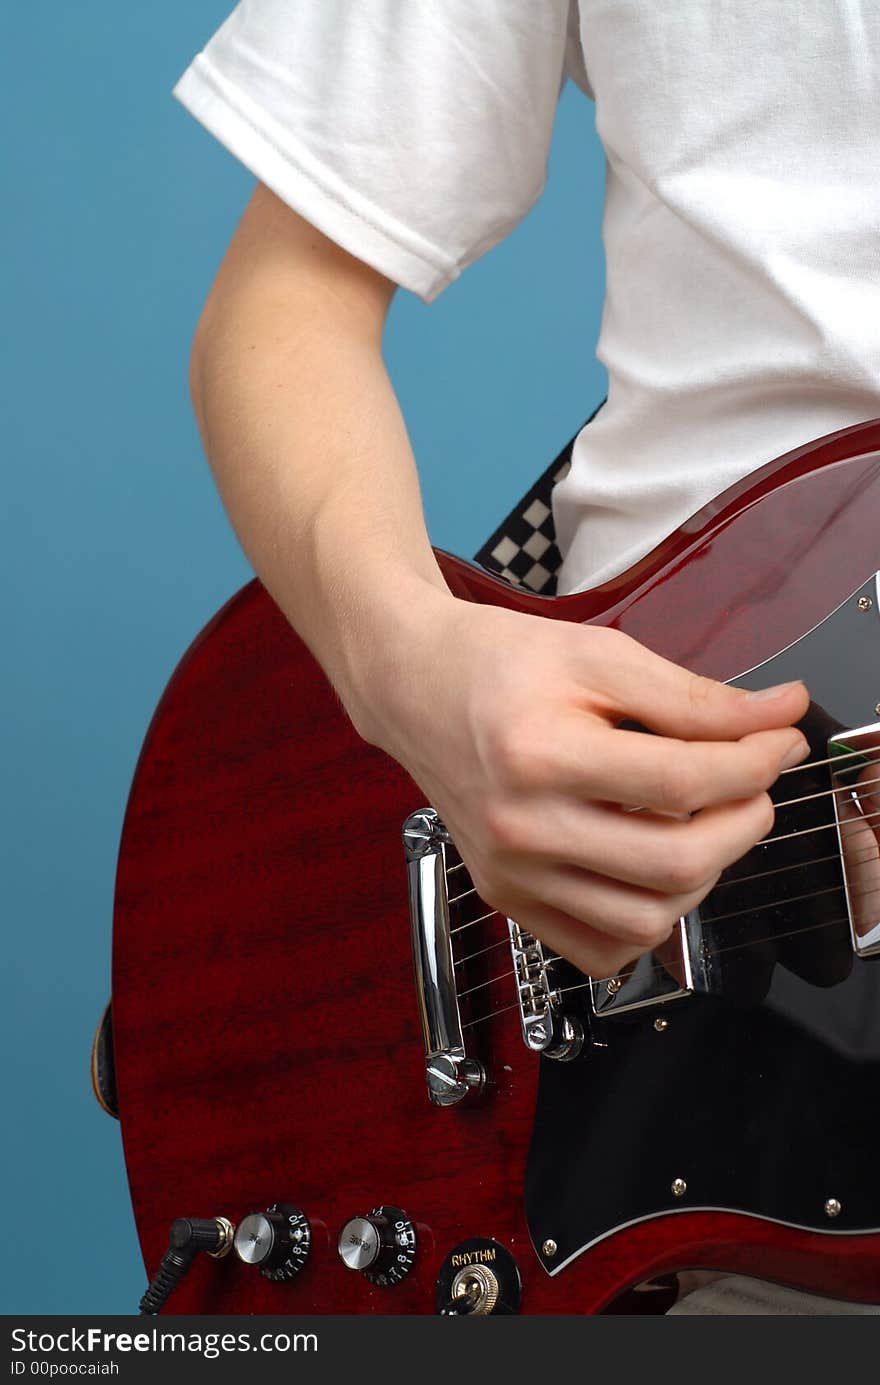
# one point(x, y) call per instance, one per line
point(766, 841)
point(826, 793)
point(502, 942)
point(796, 769)
point(807, 798)
point(781, 870)
point(717, 918)
point(831, 760)
point(460, 928)
point(564, 990)
point(786, 803)
point(734, 947)
point(720, 884)
point(807, 831)
point(808, 765)
point(744, 913)
point(737, 880)
point(720, 918)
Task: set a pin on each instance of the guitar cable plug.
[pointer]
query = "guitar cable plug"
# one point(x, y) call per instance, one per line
point(187, 1236)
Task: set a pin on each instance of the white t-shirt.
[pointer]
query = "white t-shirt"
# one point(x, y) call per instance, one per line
point(742, 212)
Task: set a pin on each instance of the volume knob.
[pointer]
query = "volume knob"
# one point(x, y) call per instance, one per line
point(381, 1245)
point(277, 1241)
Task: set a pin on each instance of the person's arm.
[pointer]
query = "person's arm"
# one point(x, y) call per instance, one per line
point(506, 721)
point(307, 443)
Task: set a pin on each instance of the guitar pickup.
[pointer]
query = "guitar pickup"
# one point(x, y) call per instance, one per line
point(671, 972)
point(855, 779)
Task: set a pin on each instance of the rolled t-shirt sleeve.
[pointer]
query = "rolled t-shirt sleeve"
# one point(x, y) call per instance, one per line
point(413, 133)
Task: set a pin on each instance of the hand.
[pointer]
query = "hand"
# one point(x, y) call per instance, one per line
point(509, 724)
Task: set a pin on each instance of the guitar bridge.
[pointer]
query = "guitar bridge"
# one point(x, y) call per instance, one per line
point(545, 1029)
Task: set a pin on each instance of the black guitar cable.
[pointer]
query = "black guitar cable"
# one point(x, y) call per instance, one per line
point(187, 1236)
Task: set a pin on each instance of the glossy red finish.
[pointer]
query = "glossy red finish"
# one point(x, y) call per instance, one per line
point(265, 1022)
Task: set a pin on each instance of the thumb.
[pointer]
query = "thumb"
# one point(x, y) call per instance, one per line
point(672, 700)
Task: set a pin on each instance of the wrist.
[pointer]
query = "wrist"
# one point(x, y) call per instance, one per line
point(389, 650)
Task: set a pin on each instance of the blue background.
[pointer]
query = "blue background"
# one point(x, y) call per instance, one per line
point(118, 209)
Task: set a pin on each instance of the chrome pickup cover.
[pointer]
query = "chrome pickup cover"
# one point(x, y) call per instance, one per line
point(855, 777)
point(670, 972)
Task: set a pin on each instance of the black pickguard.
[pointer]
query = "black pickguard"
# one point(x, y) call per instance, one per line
point(762, 1095)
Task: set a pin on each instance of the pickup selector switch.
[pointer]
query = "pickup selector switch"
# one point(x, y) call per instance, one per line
point(277, 1241)
point(381, 1245)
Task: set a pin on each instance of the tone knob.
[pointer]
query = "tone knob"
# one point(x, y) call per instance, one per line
point(277, 1241)
point(381, 1245)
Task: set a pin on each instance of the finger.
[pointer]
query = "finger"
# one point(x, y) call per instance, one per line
point(638, 918)
point(637, 683)
point(660, 853)
point(594, 953)
point(642, 919)
point(634, 768)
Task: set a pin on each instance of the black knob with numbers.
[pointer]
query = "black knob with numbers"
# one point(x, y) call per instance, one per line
point(380, 1245)
point(277, 1241)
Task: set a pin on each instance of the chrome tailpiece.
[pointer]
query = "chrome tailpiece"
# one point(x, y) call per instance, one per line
point(450, 1073)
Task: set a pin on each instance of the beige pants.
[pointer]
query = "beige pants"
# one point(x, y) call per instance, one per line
point(734, 1294)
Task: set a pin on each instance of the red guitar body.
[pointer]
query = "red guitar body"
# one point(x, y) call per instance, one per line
point(266, 1028)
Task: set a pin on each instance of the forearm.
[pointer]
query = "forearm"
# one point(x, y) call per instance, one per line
point(310, 452)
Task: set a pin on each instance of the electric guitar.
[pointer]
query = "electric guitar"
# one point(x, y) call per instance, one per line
point(398, 1101)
